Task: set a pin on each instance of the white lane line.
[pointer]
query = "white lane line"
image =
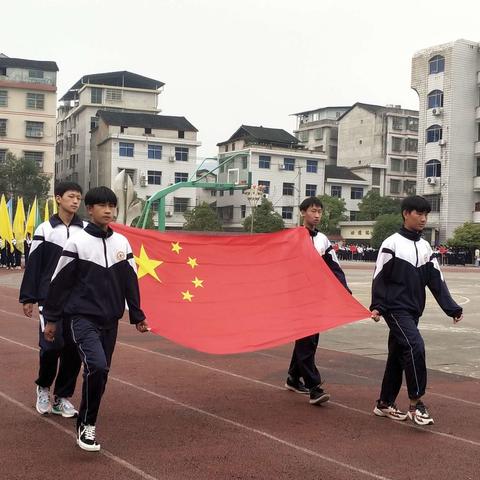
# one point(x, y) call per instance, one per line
point(68, 432)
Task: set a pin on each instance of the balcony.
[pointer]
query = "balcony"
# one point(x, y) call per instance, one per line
point(476, 184)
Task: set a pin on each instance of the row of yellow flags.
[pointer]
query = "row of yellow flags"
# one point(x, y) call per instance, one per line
point(21, 224)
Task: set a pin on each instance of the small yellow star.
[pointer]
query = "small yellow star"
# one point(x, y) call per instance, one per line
point(197, 282)
point(187, 296)
point(146, 266)
point(192, 262)
point(176, 247)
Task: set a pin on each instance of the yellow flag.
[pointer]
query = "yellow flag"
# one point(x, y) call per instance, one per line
point(19, 224)
point(5, 226)
point(55, 206)
point(31, 221)
point(46, 218)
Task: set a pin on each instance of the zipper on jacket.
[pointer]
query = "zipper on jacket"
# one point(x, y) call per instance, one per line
point(105, 251)
point(68, 231)
point(416, 253)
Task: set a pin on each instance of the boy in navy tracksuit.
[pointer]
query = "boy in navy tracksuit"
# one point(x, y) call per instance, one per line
point(94, 276)
point(302, 364)
point(48, 241)
point(405, 266)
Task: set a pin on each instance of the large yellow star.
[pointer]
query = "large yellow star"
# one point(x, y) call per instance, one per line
point(197, 282)
point(187, 296)
point(192, 262)
point(176, 247)
point(146, 266)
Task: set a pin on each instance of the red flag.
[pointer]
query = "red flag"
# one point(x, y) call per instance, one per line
point(231, 294)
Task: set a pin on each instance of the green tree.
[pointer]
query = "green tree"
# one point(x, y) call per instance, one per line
point(385, 226)
point(333, 212)
point(202, 218)
point(265, 219)
point(23, 178)
point(468, 236)
point(373, 205)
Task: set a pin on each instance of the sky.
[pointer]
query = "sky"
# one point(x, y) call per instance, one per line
point(255, 62)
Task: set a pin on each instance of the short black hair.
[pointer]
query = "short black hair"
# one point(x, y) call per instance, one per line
point(417, 203)
point(310, 202)
point(100, 195)
point(62, 187)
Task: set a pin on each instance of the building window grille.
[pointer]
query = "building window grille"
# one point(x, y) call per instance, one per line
point(312, 166)
point(181, 154)
point(435, 99)
point(356, 193)
point(310, 190)
point(434, 133)
point(436, 64)
point(288, 189)
point(155, 152)
point(154, 177)
point(181, 177)
point(265, 184)
point(34, 129)
point(336, 191)
point(126, 149)
point(287, 213)
point(96, 95)
point(264, 161)
point(433, 168)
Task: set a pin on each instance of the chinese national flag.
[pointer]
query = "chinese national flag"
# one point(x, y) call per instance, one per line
point(230, 294)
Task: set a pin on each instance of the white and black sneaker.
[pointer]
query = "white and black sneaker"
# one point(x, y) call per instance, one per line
point(296, 385)
point(318, 396)
point(43, 400)
point(86, 438)
point(389, 411)
point(419, 414)
point(63, 406)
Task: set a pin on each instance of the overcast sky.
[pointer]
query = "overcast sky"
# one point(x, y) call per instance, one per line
point(255, 62)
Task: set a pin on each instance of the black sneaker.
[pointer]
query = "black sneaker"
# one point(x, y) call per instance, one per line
point(318, 396)
point(86, 438)
point(419, 414)
point(296, 385)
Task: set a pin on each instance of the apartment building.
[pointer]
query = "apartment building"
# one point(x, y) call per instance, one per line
point(447, 80)
point(121, 91)
point(274, 159)
point(380, 145)
point(317, 130)
point(28, 97)
point(155, 151)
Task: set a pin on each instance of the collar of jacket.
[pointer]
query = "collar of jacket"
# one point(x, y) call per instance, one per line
point(55, 220)
point(313, 233)
point(410, 234)
point(96, 231)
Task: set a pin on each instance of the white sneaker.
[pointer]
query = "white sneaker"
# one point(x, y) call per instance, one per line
point(63, 407)
point(419, 415)
point(43, 400)
point(389, 411)
point(86, 438)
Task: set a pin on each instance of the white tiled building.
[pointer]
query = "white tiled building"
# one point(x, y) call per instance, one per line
point(28, 97)
point(447, 80)
point(275, 159)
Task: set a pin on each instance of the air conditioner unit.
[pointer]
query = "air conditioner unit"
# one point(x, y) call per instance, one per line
point(171, 158)
point(431, 180)
point(169, 213)
point(437, 111)
point(281, 167)
point(442, 142)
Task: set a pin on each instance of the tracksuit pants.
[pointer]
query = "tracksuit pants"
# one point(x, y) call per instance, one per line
point(303, 361)
point(95, 344)
point(59, 360)
point(406, 353)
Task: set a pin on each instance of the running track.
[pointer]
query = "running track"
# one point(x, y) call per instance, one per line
point(172, 413)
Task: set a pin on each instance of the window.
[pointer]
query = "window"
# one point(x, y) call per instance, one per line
point(111, 95)
point(93, 123)
point(478, 167)
point(396, 144)
point(411, 165)
point(436, 64)
point(181, 134)
point(244, 163)
point(288, 189)
point(154, 177)
point(181, 154)
point(35, 74)
point(3, 127)
point(397, 123)
point(3, 98)
point(409, 187)
point(434, 133)
point(37, 157)
point(181, 177)
point(231, 191)
point(434, 201)
point(312, 166)
point(412, 124)
point(289, 164)
point(303, 136)
point(433, 168)
point(287, 213)
point(3, 71)
point(180, 205)
point(265, 184)
point(243, 211)
point(394, 186)
point(35, 101)
point(96, 95)
point(396, 164)
point(233, 146)
point(264, 161)
point(376, 174)
point(356, 193)
point(354, 217)
point(147, 131)
point(226, 148)
point(310, 190)
point(3, 155)
point(318, 134)
point(126, 149)
point(155, 151)
point(435, 99)
point(213, 193)
point(34, 129)
point(336, 191)
point(131, 172)
point(122, 128)
point(411, 144)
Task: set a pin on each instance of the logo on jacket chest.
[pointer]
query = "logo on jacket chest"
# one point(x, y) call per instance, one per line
point(120, 255)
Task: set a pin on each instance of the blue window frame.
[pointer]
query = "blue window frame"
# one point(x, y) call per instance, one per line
point(264, 161)
point(312, 166)
point(310, 190)
point(126, 149)
point(289, 164)
point(287, 213)
point(435, 99)
point(154, 177)
point(181, 177)
point(436, 64)
point(155, 151)
point(265, 184)
point(433, 168)
point(434, 133)
point(181, 154)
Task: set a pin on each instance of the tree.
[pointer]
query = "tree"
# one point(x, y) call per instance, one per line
point(333, 212)
point(373, 205)
point(467, 236)
point(23, 178)
point(202, 218)
point(265, 219)
point(385, 226)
